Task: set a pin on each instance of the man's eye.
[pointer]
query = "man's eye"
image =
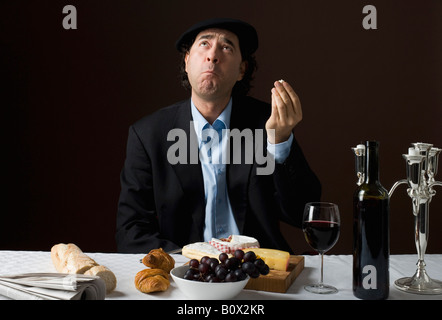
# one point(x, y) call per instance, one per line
point(204, 44)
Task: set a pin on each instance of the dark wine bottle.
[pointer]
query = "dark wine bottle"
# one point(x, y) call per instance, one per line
point(371, 232)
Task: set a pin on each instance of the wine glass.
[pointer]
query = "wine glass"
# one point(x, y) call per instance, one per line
point(321, 225)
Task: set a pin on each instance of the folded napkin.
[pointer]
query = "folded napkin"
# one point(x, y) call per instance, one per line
point(52, 286)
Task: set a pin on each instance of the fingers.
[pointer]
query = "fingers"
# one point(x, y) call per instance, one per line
point(286, 112)
point(278, 105)
point(281, 89)
point(275, 112)
point(294, 98)
point(287, 101)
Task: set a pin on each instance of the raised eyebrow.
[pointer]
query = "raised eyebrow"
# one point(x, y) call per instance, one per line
point(206, 36)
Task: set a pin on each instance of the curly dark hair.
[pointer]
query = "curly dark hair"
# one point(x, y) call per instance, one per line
point(241, 88)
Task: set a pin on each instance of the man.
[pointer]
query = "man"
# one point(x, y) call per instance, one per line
point(173, 195)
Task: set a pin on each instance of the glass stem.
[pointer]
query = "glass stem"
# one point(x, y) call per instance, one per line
point(321, 281)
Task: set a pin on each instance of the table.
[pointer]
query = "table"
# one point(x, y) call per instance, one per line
point(337, 272)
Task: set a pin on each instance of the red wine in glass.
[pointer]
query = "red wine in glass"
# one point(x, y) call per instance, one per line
point(321, 226)
point(321, 235)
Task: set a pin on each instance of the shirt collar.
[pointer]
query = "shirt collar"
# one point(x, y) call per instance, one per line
point(199, 121)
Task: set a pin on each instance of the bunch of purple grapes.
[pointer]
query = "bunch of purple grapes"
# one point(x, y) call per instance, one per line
point(235, 268)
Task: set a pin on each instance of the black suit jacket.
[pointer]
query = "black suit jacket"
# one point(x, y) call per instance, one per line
point(163, 205)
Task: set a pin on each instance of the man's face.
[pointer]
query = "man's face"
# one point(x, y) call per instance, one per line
point(214, 63)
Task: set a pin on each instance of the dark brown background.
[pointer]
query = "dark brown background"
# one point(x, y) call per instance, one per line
point(69, 96)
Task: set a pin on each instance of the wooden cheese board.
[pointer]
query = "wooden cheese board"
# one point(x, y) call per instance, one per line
point(278, 281)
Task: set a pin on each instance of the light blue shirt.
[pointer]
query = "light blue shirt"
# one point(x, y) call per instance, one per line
point(219, 219)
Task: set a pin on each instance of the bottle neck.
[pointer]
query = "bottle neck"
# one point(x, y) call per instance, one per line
point(372, 162)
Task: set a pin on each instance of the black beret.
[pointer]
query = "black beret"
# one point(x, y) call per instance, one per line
point(248, 38)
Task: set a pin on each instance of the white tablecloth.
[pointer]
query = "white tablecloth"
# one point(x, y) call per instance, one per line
point(337, 272)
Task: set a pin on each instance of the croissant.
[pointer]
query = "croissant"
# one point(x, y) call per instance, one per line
point(152, 280)
point(159, 259)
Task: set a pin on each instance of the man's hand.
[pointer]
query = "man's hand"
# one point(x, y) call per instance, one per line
point(286, 112)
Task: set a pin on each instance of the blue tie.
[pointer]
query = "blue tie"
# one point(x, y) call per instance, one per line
point(217, 200)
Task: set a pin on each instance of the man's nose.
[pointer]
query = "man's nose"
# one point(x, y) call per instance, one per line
point(212, 55)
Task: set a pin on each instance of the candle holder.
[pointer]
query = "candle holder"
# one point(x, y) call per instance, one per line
point(421, 165)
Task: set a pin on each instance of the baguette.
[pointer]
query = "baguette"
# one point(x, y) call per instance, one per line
point(104, 273)
point(68, 258)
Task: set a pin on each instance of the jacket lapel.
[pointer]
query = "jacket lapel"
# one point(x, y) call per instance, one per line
point(190, 174)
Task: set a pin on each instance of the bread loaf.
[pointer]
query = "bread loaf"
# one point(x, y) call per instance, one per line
point(104, 273)
point(68, 258)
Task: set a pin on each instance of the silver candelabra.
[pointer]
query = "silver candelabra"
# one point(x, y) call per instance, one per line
point(421, 166)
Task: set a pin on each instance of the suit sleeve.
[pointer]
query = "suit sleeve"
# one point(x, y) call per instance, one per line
point(137, 221)
point(295, 184)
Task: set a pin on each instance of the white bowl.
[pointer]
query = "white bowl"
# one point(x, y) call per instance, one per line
point(206, 290)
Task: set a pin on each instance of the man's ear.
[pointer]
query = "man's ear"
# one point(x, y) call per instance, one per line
point(242, 70)
point(186, 58)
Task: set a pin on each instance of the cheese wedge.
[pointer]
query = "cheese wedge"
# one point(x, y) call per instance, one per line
point(234, 242)
point(275, 259)
point(243, 242)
